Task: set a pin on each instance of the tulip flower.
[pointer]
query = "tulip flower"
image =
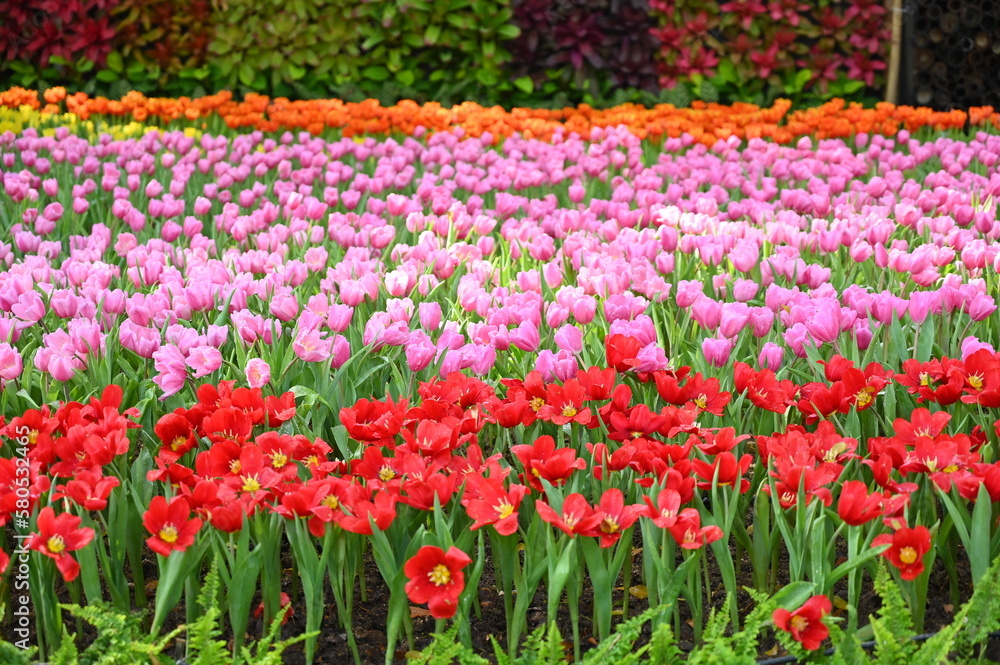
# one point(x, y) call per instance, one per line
point(435, 577)
point(806, 623)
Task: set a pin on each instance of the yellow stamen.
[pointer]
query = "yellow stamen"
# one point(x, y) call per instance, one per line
point(440, 575)
point(56, 544)
point(609, 525)
point(907, 555)
point(505, 510)
point(168, 533)
point(250, 484)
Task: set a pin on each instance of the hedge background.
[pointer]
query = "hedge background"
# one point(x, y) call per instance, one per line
point(507, 52)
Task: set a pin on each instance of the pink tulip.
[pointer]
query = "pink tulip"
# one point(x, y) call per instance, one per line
point(716, 351)
point(311, 346)
point(569, 338)
point(771, 356)
point(11, 364)
point(204, 360)
point(258, 373)
point(172, 367)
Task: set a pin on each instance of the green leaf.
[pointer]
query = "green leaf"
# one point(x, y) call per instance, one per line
point(107, 76)
point(432, 34)
point(247, 74)
point(979, 547)
point(406, 77)
point(295, 72)
point(58, 60)
point(727, 72)
point(375, 73)
point(508, 31)
point(525, 84)
point(802, 78)
point(115, 62)
point(792, 596)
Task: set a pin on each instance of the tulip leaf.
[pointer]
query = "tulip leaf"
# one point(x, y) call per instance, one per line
point(979, 544)
point(792, 596)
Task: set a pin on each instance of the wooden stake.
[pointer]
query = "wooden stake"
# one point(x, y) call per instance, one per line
point(895, 55)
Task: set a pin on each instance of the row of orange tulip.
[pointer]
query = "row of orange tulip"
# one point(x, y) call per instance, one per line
point(707, 123)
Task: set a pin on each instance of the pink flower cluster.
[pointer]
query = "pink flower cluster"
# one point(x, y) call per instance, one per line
point(461, 256)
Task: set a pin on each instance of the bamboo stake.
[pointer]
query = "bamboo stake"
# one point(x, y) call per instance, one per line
point(895, 55)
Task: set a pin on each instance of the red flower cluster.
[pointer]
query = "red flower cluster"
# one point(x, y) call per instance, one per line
point(70, 446)
point(947, 380)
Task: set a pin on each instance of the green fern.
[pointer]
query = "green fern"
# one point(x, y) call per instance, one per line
point(620, 648)
point(983, 615)
point(12, 655)
point(663, 647)
point(268, 651)
point(446, 649)
point(204, 644)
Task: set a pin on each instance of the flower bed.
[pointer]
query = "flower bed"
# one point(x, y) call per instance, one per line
point(241, 350)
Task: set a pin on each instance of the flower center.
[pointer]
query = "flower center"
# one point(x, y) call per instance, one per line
point(56, 544)
point(177, 443)
point(836, 450)
point(385, 474)
point(440, 575)
point(701, 401)
point(907, 555)
point(568, 412)
point(975, 381)
point(799, 623)
point(331, 502)
point(537, 403)
point(250, 484)
point(609, 525)
point(235, 466)
point(279, 460)
point(926, 380)
point(168, 533)
point(505, 510)
point(863, 398)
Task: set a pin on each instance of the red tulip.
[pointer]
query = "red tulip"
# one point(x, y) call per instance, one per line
point(577, 516)
point(907, 548)
point(436, 578)
point(855, 506)
point(57, 537)
point(806, 623)
point(171, 524)
point(487, 502)
point(690, 534)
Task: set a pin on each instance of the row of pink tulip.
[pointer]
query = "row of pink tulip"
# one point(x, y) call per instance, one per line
point(459, 253)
